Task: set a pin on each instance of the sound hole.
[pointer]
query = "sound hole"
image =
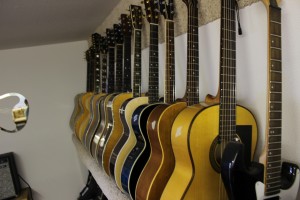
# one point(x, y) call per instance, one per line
point(244, 134)
point(14, 110)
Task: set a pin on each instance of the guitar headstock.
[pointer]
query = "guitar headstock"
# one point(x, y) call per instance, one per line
point(118, 34)
point(166, 8)
point(126, 25)
point(103, 45)
point(192, 3)
point(152, 11)
point(110, 37)
point(136, 15)
point(274, 3)
point(96, 41)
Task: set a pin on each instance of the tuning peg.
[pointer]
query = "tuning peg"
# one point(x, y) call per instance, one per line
point(156, 10)
point(142, 2)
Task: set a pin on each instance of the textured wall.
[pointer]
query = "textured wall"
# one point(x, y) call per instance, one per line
point(209, 10)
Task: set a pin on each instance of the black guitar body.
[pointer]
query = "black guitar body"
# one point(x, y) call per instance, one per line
point(107, 130)
point(238, 177)
point(136, 151)
point(139, 155)
point(121, 141)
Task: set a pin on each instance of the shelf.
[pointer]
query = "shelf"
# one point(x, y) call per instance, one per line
point(106, 184)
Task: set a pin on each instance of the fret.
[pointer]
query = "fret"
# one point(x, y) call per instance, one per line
point(233, 31)
point(275, 22)
point(230, 50)
point(275, 35)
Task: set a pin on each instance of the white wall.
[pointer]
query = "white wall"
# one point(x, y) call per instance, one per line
point(251, 69)
point(49, 76)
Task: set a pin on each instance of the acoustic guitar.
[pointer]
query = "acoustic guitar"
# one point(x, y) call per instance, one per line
point(128, 138)
point(160, 165)
point(269, 179)
point(94, 115)
point(115, 101)
point(214, 126)
point(140, 153)
point(96, 103)
point(109, 90)
point(78, 108)
point(84, 118)
point(183, 170)
point(117, 128)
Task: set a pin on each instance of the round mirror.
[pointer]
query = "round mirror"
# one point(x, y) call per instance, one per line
point(14, 110)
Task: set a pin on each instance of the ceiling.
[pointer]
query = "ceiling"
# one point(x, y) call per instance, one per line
point(25, 23)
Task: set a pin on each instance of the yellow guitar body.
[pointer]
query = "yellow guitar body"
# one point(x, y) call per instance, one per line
point(77, 111)
point(183, 172)
point(82, 120)
point(206, 183)
point(131, 141)
point(117, 129)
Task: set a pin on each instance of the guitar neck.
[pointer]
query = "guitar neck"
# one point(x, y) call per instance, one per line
point(127, 63)
point(104, 73)
point(192, 92)
point(97, 83)
point(89, 74)
point(119, 68)
point(111, 70)
point(137, 63)
point(227, 114)
point(274, 109)
point(153, 91)
point(170, 63)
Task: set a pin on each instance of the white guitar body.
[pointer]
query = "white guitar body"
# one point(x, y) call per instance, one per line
point(289, 194)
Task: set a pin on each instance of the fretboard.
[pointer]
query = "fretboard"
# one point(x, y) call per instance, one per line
point(192, 87)
point(137, 63)
point(103, 72)
point(119, 68)
point(111, 70)
point(97, 83)
point(89, 73)
point(170, 63)
point(273, 159)
point(127, 64)
point(153, 91)
point(227, 114)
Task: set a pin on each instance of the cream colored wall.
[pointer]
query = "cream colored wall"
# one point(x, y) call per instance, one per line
point(49, 76)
